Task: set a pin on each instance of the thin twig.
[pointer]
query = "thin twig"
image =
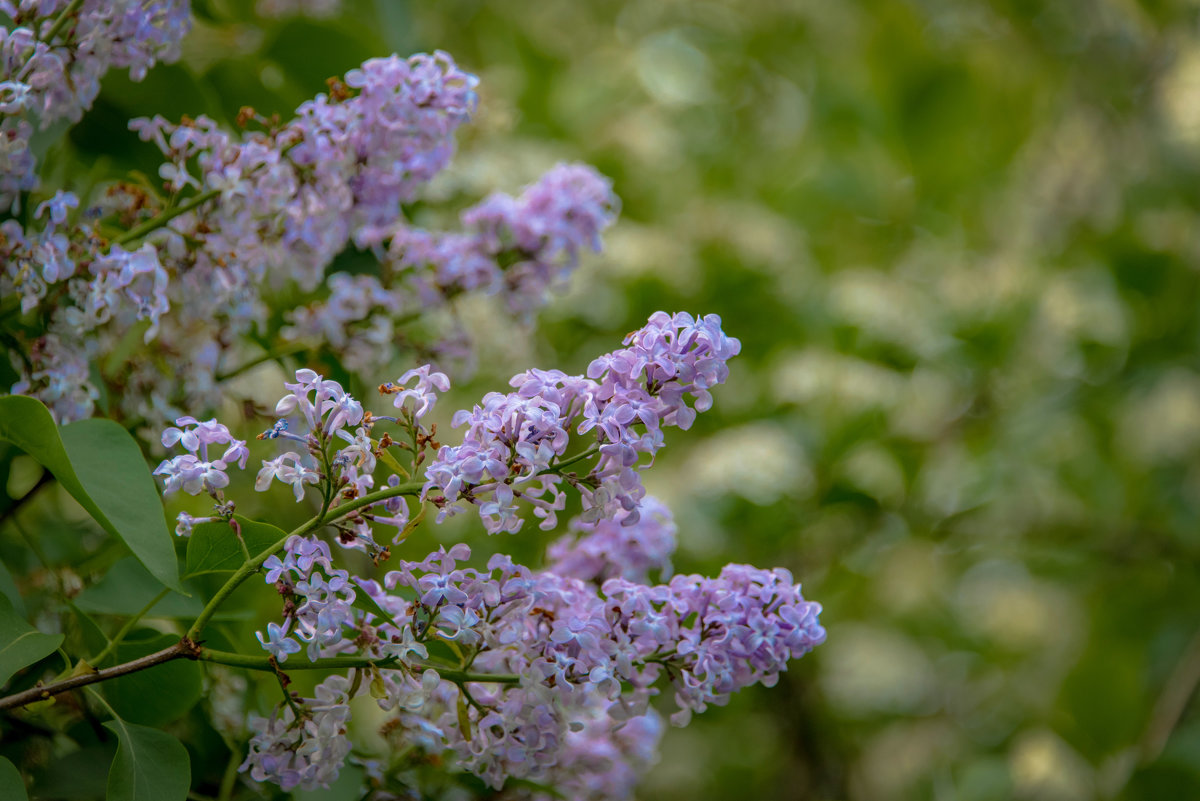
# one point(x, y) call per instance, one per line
point(42, 692)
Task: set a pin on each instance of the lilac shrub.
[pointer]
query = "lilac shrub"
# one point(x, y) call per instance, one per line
point(544, 675)
point(548, 681)
point(255, 214)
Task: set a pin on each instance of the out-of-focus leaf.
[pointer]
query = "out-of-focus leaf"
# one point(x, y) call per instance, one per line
point(20, 643)
point(8, 588)
point(348, 787)
point(156, 696)
point(101, 466)
point(12, 788)
point(79, 776)
point(127, 588)
point(214, 547)
point(150, 765)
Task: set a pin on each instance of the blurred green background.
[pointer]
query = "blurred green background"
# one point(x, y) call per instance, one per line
point(958, 241)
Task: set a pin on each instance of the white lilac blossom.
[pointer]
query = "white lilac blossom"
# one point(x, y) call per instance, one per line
point(422, 393)
point(44, 79)
point(514, 442)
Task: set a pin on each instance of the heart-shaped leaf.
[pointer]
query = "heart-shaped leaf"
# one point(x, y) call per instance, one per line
point(214, 547)
point(150, 765)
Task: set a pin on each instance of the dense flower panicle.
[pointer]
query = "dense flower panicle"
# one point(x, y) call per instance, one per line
point(34, 261)
point(513, 441)
point(586, 660)
point(604, 549)
point(46, 81)
point(517, 247)
point(306, 753)
point(285, 202)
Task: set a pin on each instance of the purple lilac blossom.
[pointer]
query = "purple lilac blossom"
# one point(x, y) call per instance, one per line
point(59, 79)
point(513, 441)
point(587, 660)
point(604, 549)
point(194, 472)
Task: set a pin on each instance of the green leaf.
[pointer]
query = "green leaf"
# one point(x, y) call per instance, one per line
point(367, 604)
point(93, 637)
point(110, 464)
point(101, 466)
point(11, 785)
point(389, 461)
point(214, 547)
point(8, 588)
point(78, 776)
point(150, 765)
point(157, 696)
point(127, 587)
point(20, 643)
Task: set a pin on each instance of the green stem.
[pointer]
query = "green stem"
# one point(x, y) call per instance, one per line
point(62, 20)
point(266, 357)
point(138, 231)
point(579, 457)
point(125, 629)
point(240, 575)
point(263, 664)
point(230, 776)
point(411, 488)
point(326, 516)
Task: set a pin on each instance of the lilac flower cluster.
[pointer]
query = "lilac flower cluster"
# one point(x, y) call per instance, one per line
point(517, 249)
point(576, 665)
point(47, 78)
point(274, 207)
point(194, 472)
point(307, 752)
point(515, 443)
point(319, 602)
point(607, 548)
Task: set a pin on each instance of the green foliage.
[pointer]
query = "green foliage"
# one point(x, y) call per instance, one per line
point(215, 548)
point(150, 765)
point(21, 644)
point(127, 588)
point(157, 696)
point(12, 788)
point(101, 465)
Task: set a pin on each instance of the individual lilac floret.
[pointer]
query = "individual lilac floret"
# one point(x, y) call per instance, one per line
point(194, 472)
point(277, 642)
point(422, 394)
point(607, 549)
point(288, 468)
